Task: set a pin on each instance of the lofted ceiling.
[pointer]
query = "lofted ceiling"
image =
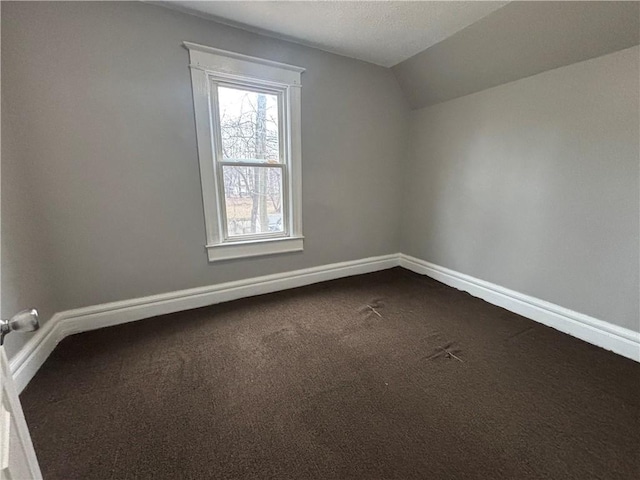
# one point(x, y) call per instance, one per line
point(517, 41)
point(380, 32)
point(441, 50)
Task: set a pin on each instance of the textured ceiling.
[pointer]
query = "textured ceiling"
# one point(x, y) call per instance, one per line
point(384, 33)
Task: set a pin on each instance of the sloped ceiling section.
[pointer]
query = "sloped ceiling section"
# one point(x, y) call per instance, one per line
point(516, 41)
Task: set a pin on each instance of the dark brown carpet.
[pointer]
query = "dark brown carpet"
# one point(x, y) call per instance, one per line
point(312, 383)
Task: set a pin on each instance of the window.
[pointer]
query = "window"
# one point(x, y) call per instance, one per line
point(248, 131)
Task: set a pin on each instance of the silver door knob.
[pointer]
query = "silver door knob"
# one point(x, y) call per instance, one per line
point(24, 321)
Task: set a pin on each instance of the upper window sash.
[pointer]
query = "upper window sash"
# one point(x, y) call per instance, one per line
point(283, 108)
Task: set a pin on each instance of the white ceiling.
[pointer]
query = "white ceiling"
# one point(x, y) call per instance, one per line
point(380, 32)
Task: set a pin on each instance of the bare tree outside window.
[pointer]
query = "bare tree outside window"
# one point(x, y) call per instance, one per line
point(249, 127)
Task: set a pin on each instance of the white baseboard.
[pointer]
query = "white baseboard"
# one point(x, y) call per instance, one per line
point(32, 355)
point(622, 341)
point(28, 360)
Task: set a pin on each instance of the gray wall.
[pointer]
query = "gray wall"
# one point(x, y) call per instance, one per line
point(533, 185)
point(26, 278)
point(517, 41)
point(98, 99)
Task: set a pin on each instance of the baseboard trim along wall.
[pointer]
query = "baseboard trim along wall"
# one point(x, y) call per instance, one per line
point(620, 340)
point(33, 354)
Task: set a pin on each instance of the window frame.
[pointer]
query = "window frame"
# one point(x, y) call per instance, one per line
point(211, 67)
point(220, 162)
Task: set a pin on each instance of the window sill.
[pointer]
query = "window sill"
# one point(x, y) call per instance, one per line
point(254, 248)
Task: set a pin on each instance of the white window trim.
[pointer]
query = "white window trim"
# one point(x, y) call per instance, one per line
point(207, 64)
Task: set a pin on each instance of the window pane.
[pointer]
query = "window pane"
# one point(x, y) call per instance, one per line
point(253, 198)
point(249, 125)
